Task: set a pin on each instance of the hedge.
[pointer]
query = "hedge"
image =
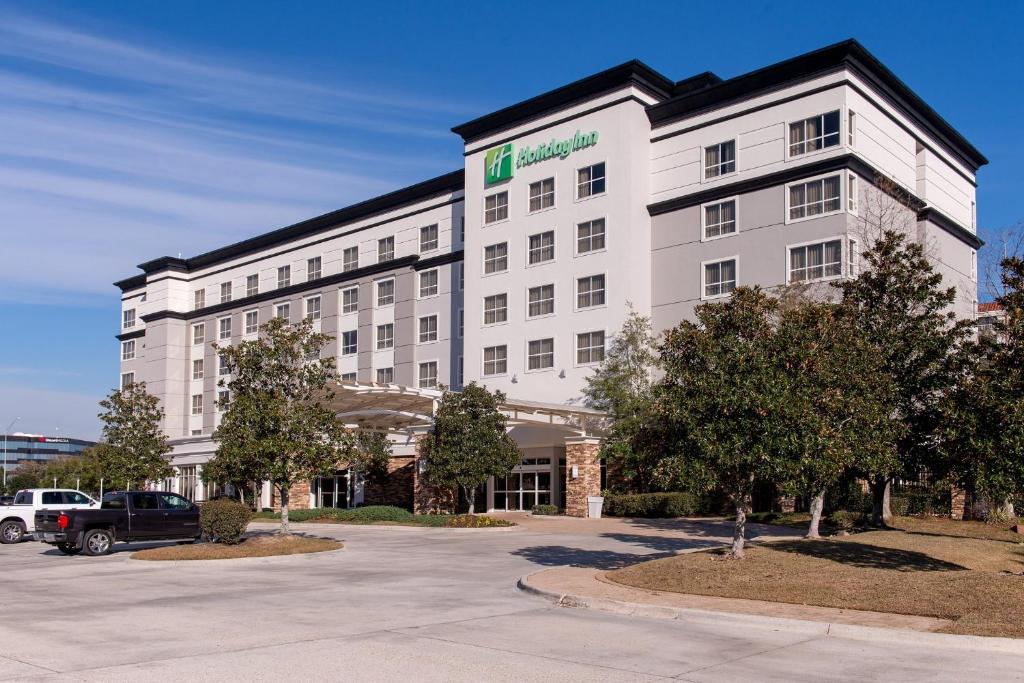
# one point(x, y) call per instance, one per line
point(652, 504)
point(543, 509)
point(224, 521)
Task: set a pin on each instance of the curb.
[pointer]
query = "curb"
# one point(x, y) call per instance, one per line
point(391, 527)
point(825, 629)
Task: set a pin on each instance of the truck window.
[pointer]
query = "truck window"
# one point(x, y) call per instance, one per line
point(23, 498)
point(169, 501)
point(145, 501)
point(113, 501)
point(52, 498)
point(75, 498)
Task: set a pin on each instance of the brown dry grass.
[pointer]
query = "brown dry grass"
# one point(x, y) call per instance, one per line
point(257, 546)
point(952, 576)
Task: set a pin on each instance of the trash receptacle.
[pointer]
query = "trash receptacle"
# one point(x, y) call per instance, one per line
point(594, 505)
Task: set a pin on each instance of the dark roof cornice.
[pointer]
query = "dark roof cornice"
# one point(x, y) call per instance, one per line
point(633, 72)
point(847, 54)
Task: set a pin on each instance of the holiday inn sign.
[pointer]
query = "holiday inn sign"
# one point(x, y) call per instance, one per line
point(498, 161)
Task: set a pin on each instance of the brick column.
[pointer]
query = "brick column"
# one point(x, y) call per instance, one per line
point(582, 454)
point(958, 503)
point(784, 503)
point(427, 499)
point(298, 497)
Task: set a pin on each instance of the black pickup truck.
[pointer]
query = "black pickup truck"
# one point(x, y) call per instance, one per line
point(128, 516)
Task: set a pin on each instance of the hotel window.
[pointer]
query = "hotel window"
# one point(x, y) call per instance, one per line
point(720, 159)
point(816, 261)
point(128, 318)
point(222, 366)
point(127, 378)
point(496, 207)
point(385, 249)
point(590, 181)
point(348, 377)
point(720, 219)
point(284, 276)
point(224, 327)
point(223, 399)
point(496, 258)
point(350, 259)
point(199, 333)
point(541, 300)
point(815, 198)
point(590, 236)
point(428, 238)
point(853, 259)
point(386, 336)
point(461, 371)
point(428, 375)
point(199, 300)
point(252, 322)
point(225, 292)
point(252, 285)
point(283, 311)
point(462, 276)
point(542, 247)
point(385, 375)
point(589, 347)
point(349, 342)
point(128, 349)
point(197, 432)
point(719, 278)
point(313, 308)
point(428, 283)
point(590, 291)
point(197, 404)
point(851, 129)
point(852, 195)
point(542, 194)
point(385, 292)
point(428, 329)
point(197, 369)
point(540, 354)
point(817, 132)
point(350, 300)
point(462, 323)
point(495, 309)
point(495, 360)
point(314, 268)
point(462, 228)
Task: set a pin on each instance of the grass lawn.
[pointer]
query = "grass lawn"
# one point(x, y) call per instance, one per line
point(258, 546)
point(967, 572)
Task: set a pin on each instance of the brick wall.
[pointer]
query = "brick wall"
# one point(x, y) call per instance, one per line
point(583, 455)
point(397, 489)
point(298, 497)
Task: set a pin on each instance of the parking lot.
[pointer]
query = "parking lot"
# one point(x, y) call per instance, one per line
point(422, 604)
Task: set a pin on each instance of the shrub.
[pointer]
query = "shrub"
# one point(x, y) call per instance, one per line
point(846, 520)
point(545, 509)
point(224, 521)
point(367, 514)
point(651, 504)
point(474, 522)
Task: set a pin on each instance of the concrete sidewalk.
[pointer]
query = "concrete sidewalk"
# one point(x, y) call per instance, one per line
point(589, 588)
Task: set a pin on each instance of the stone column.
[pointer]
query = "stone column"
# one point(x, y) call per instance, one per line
point(581, 454)
point(958, 503)
point(427, 499)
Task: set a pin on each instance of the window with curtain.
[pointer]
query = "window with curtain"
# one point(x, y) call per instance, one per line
point(815, 197)
point(817, 132)
point(719, 278)
point(720, 219)
point(816, 261)
point(720, 159)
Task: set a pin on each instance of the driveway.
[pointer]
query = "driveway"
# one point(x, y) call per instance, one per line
point(408, 603)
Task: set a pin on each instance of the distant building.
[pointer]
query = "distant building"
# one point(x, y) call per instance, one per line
point(988, 317)
point(38, 448)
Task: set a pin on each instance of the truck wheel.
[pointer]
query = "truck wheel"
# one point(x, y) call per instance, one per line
point(98, 542)
point(11, 532)
point(68, 549)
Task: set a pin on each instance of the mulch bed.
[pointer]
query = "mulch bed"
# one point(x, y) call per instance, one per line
point(256, 546)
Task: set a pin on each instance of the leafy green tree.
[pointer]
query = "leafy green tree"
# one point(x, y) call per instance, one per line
point(835, 411)
point(30, 474)
point(621, 386)
point(277, 425)
point(372, 454)
point(468, 441)
point(717, 405)
point(983, 427)
point(898, 306)
point(134, 447)
point(83, 471)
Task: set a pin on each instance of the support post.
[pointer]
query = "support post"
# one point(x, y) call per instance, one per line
point(582, 474)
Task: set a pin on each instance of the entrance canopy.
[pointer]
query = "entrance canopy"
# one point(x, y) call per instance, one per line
point(392, 407)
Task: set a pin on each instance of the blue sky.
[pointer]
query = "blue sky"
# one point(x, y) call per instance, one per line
point(130, 130)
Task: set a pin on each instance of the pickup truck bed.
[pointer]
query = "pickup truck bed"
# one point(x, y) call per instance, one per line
point(126, 516)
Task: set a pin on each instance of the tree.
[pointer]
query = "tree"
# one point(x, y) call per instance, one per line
point(468, 441)
point(134, 448)
point(30, 474)
point(372, 454)
point(717, 405)
point(277, 425)
point(835, 412)
point(897, 305)
point(83, 471)
point(621, 387)
point(984, 419)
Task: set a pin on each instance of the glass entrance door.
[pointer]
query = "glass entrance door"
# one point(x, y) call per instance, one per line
point(333, 491)
point(523, 488)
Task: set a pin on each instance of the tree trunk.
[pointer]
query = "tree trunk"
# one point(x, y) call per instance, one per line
point(740, 529)
point(284, 511)
point(1006, 510)
point(471, 498)
point(241, 494)
point(881, 510)
point(817, 504)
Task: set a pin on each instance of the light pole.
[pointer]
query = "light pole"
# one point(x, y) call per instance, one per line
point(5, 449)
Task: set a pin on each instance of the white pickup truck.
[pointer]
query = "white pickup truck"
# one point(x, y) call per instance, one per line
point(19, 520)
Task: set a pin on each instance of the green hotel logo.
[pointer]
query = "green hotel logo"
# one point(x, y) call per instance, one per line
point(498, 164)
point(498, 160)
